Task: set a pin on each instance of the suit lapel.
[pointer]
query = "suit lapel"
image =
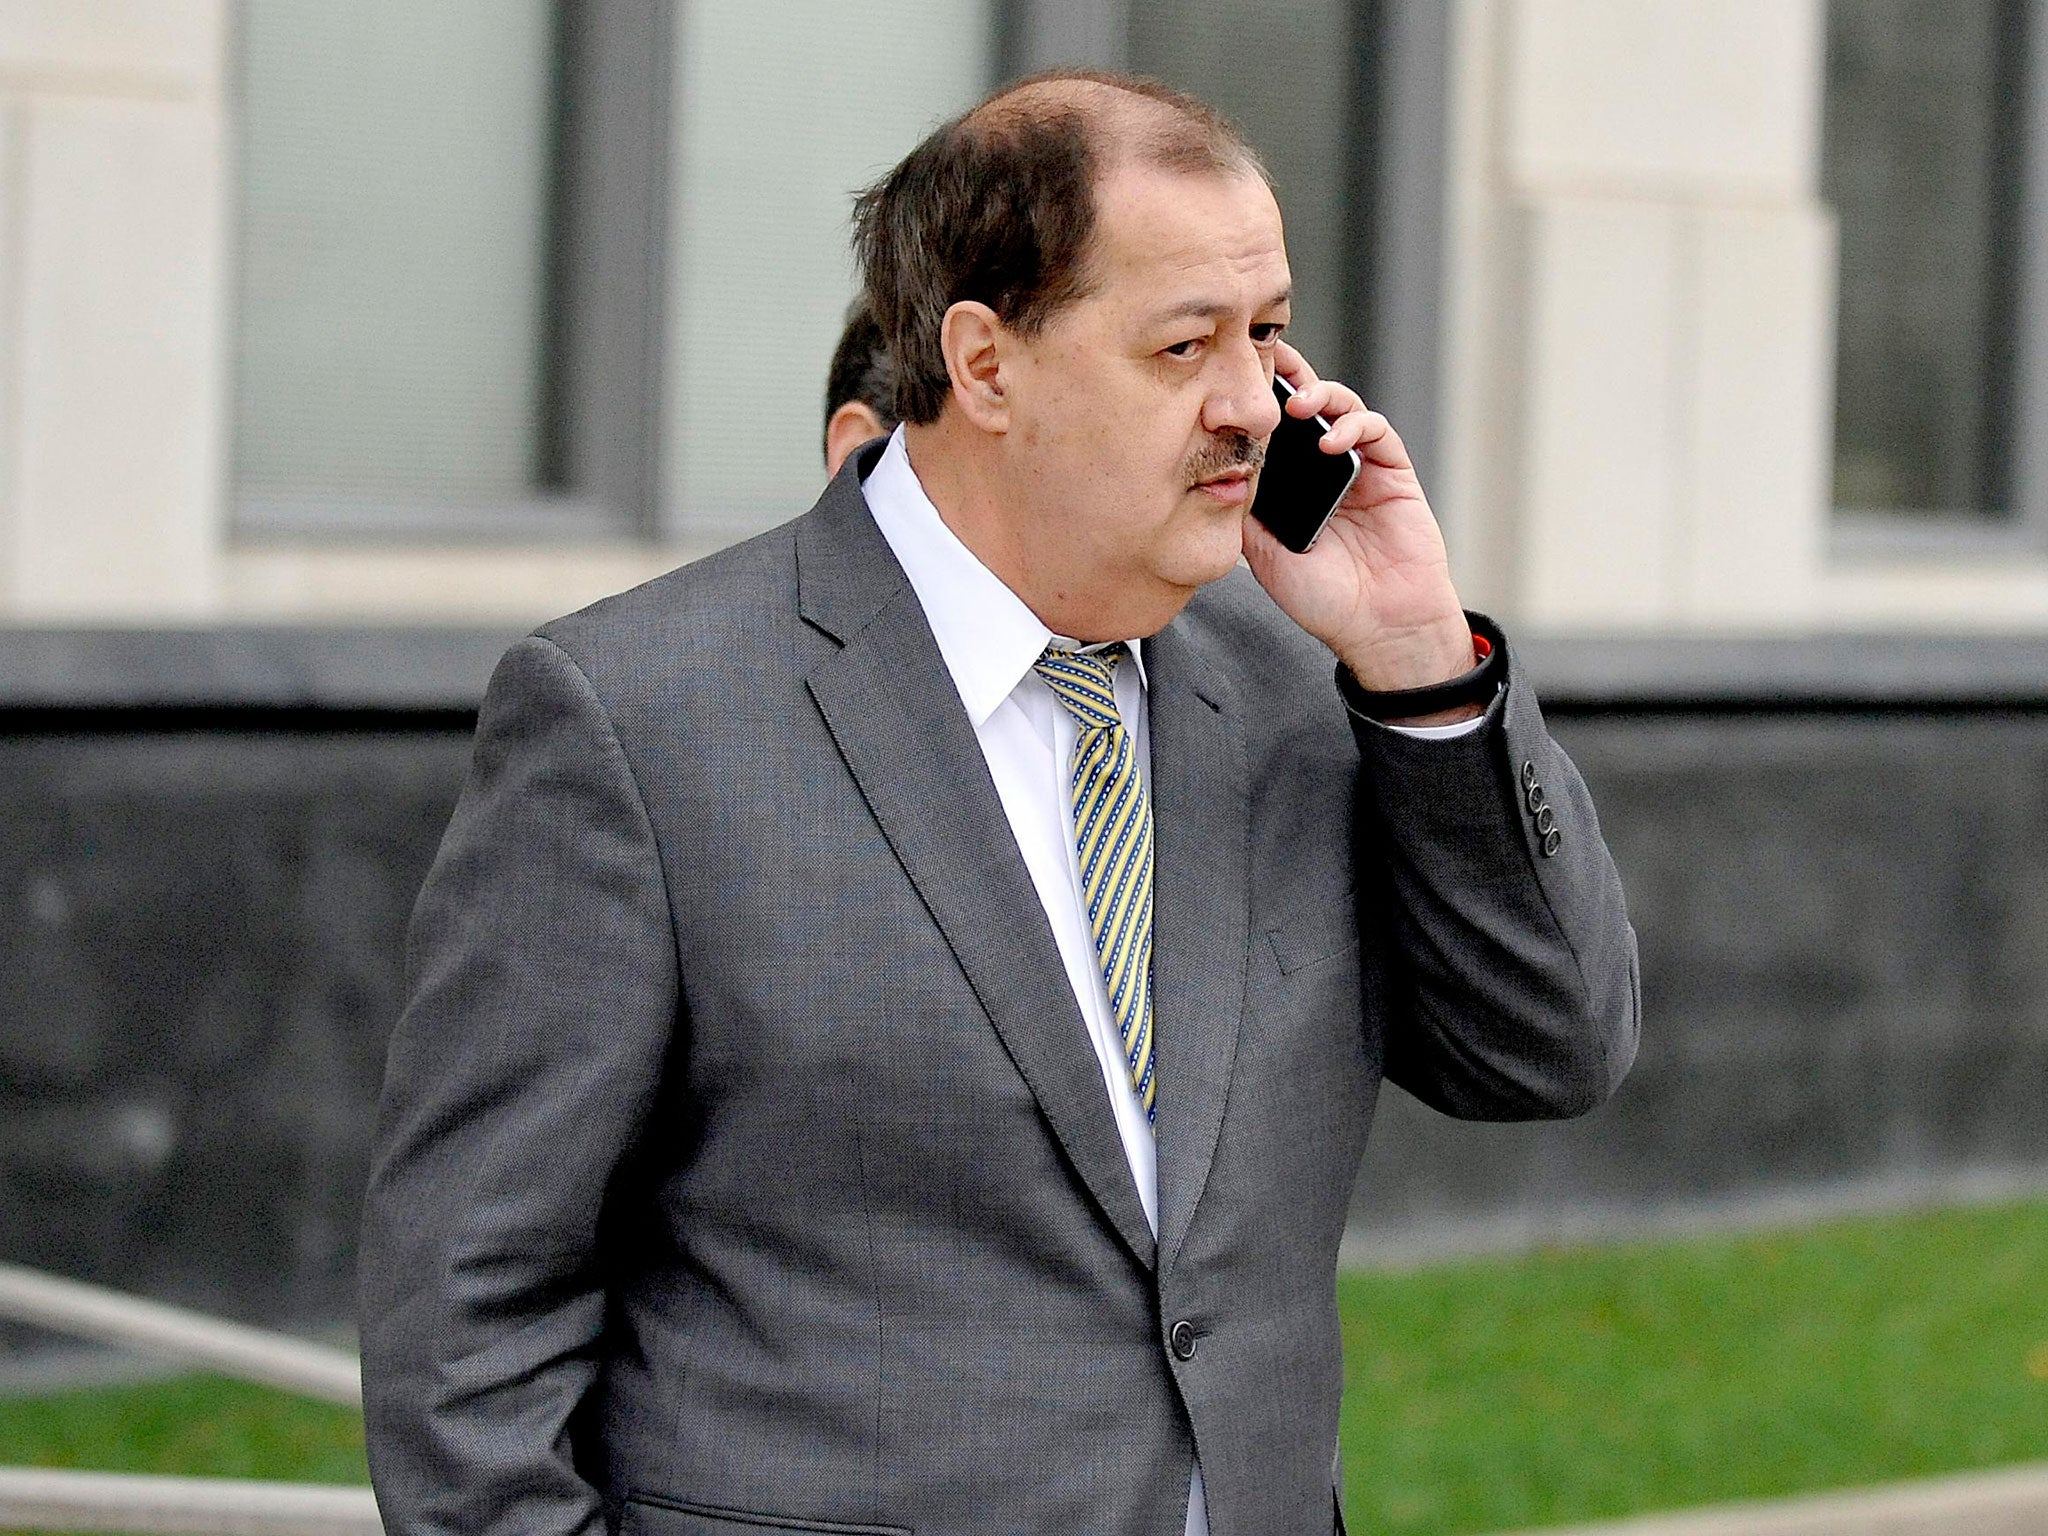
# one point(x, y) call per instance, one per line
point(898, 723)
point(1201, 810)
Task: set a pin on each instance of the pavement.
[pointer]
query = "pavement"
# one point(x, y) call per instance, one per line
point(39, 1368)
point(2012, 1501)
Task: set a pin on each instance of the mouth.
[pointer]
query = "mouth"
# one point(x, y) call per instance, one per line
point(1233, 487)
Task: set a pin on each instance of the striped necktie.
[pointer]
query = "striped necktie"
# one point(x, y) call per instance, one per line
point(1113, 837)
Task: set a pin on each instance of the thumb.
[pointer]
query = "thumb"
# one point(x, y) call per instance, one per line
point(1262, 552)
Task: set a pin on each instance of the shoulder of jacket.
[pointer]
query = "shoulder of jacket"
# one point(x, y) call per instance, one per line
point(743, 587)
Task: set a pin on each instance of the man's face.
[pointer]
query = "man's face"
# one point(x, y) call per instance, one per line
point(1140, 413)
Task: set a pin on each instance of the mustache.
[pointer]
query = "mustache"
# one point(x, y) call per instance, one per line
point(1226, 451)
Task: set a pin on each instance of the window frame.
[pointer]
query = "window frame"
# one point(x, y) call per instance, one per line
point(1986, 535)
point(1398, 151)
point(597, 446)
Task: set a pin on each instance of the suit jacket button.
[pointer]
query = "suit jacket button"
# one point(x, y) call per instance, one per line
point(1182, 1338)
point(1546, 821)
point(1528, 774)
point(1536, 798)
point(1552, 841)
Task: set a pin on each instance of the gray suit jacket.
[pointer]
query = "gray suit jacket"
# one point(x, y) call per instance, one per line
point(743, 1165)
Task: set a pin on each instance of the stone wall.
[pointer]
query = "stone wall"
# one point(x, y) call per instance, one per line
point(1844, 929)
point(1842, 905)
point(199, 964)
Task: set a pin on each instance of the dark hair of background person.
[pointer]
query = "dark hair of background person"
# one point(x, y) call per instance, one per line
point(998, 206)
point(862, 371)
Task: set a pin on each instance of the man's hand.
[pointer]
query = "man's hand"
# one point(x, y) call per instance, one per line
point(1376, 587)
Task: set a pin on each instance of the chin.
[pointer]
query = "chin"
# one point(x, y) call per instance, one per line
point(1211, 557)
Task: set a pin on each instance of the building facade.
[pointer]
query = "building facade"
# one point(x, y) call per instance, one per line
point(468, 312)
point(339, 344)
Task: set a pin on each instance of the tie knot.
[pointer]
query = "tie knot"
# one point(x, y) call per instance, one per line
point(1084, 682)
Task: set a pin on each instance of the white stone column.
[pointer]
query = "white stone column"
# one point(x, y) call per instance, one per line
point(1638, 349)
point(112, 314)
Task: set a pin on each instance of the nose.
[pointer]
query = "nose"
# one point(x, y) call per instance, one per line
point(1242, 399)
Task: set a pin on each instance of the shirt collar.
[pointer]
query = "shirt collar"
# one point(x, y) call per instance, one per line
point(987, 636)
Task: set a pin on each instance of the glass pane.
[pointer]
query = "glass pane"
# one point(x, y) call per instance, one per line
point(782, 112)
point(395, 159)
point(1281, 70)
point(1919, 160)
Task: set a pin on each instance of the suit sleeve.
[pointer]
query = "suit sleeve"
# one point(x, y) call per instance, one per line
point(1513, 970)
point(542, 1005)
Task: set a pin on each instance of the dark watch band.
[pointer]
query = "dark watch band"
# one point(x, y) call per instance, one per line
point(1476, 687)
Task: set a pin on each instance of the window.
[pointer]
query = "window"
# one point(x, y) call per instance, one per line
point(447, 297)
point(1922, 159)
point(783, 112)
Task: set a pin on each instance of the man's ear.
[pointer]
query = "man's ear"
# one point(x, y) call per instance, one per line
point(972, 339)
point(848, 427)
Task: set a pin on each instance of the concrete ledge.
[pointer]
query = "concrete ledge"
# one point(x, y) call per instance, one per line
point(405, 668)
point(38, 1500)
point(1840, 670)
point(251, 1354)
point(354, 668)
point(1588, 1224)
point(2009, 1502)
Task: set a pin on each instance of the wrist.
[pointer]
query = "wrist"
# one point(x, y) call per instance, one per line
point(1448, 701)
point(1420, 658)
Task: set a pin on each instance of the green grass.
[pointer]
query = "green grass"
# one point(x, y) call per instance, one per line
point(192, 1425)
point(1486, 1396)
point(1590, 1384)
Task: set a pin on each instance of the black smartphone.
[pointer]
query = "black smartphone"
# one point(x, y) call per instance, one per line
point(1300, 485)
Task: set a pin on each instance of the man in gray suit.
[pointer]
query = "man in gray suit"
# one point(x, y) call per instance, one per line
point(899, 1005)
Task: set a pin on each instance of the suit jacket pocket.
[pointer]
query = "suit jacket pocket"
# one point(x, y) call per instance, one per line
point(1304, 938)
point(648, 1514)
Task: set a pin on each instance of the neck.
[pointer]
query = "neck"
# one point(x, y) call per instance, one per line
point(963, 480)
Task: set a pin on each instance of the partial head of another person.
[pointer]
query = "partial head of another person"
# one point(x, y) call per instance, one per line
point(1082, 282)
point(860, 388)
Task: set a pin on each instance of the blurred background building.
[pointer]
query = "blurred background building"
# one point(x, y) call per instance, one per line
point(341, 343)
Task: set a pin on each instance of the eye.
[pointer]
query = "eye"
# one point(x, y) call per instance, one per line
point(1183, 349)
point(1268, 332)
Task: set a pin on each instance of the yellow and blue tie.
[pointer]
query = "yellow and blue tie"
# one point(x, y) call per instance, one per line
point(1113, 837)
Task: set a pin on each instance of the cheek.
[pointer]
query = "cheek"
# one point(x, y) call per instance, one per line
point(1108, 456)
point(1100, 446)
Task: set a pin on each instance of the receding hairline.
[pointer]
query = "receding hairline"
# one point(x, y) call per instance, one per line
point(1121, 118)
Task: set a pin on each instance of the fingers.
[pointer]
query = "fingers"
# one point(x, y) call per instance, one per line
point(1292, 366)
point(1353, 423)
point(1378, 443)
point(1349, 417)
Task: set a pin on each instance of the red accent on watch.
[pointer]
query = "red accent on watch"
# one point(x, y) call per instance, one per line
point(1481, 648)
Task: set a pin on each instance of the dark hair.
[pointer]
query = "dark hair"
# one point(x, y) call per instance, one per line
point(998, 206)
point(861, 368)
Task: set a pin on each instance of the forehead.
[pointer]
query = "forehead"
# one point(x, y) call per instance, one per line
point(1164, 236)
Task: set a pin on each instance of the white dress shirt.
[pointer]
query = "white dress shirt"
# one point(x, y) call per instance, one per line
point(989, 639)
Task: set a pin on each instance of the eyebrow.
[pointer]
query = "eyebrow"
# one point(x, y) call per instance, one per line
point(1209, 309)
